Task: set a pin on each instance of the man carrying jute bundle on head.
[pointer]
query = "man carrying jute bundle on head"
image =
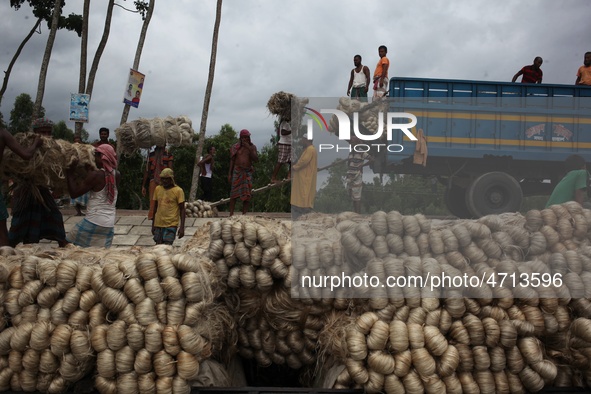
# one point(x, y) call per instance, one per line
point(8, 141)
point(35, 215)
point(98, 227)
point(242, 154)
point(169, 210)
point(158, 160)
point(284, 149)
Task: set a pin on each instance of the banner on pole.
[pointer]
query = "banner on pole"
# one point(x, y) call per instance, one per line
point(79, 107)
point(133, 89)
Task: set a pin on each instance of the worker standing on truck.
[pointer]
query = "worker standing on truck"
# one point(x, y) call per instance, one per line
point(572, 186)
point(584, 73)
point(380, 75)
point(359, 81)
point(532, 73)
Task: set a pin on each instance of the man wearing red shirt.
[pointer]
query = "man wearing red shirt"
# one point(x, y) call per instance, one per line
point(531, 74)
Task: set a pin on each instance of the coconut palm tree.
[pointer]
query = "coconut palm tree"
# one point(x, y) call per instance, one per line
point(208, 88)
point(83, 85)
point(16, 55)
point(57, 11)
point(138, 51)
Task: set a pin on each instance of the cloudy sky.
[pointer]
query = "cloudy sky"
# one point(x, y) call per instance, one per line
point(305, 47)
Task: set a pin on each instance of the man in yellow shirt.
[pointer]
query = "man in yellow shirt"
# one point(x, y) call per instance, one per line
point(303, 187)
point(584, 72)
point(169, 210)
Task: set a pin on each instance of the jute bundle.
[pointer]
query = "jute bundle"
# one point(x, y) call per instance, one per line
point(280, 104)
point(50, 346)
point(200, 209)
point(251, 253)
point(369, 114)
point(382, 356)
point(47, 166)
point(145, 133)
point(127, 352)
point(274, 328)
point(64, 313)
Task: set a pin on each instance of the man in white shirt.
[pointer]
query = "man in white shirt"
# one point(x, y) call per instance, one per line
point(359, 81)
point(284, 145)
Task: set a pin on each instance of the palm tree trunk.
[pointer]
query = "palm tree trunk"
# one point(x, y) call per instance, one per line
point(204, 113)
point(101, 48)
point(57, 10)
point(138, 54)
point(16, 55)
point(83, 58)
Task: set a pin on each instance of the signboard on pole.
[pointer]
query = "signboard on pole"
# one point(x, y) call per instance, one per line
point(133, 89)
point(79, 107)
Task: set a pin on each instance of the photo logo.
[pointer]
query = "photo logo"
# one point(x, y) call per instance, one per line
point(344, 132)
point(317, 117)
point(393, 120)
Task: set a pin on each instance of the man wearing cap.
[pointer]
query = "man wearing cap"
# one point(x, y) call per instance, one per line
point(98, 227)
point(35, 215)
point(242, 154)
point(169, 210)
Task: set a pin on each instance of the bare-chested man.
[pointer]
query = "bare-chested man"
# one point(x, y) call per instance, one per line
point(8, 141)
point(242, 154)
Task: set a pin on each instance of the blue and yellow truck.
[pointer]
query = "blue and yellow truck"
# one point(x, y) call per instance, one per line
point(490, 143)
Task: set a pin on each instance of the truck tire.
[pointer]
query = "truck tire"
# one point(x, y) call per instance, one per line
point(493, 193)
point(455, 200)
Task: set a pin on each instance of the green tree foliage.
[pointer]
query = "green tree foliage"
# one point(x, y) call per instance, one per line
point(222, 142)
point(183, 170)
point(275, 199)
point(44, 8)
point(130, 188)
point(409, 194)
point(21, 114)
point(62, 132)
point(332, 196)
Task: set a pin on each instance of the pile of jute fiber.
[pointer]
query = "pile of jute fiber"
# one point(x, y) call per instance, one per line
point(141, 321)
point(514, 317)
point(487, 338)
point(146, 133)
point(254, 255)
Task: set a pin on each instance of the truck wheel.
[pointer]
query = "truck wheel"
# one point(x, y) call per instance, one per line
point(455, 199)
point(493, 193)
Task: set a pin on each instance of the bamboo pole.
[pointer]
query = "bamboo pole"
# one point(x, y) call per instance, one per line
point(272, 185)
